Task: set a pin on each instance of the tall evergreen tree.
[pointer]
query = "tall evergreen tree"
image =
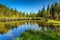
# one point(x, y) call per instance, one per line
point(48, 12)
point(43, 12)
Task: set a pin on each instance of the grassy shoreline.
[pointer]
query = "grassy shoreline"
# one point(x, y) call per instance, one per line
point(35, 35)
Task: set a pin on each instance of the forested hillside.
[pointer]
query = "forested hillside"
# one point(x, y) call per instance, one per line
point(52, 12)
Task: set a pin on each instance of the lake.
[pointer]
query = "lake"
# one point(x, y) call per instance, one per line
point(13, 29)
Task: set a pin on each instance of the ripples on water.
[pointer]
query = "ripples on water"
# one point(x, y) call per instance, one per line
point(16, 32)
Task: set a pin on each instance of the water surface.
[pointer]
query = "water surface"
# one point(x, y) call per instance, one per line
point(15, 29)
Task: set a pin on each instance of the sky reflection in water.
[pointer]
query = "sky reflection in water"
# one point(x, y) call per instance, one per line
point(16, 32)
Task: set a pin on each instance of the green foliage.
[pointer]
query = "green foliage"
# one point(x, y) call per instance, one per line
point(52, 12)
point(34, 35)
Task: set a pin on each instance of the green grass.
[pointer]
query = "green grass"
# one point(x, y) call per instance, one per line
point(33, 35)
point(54, 22)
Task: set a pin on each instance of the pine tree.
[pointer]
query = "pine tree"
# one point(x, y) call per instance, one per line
point(43, 12)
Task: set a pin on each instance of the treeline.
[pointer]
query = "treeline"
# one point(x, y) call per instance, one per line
point(10, 12)
point(52, 12)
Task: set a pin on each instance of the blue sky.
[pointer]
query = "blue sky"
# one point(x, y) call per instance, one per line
point(27, 5)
